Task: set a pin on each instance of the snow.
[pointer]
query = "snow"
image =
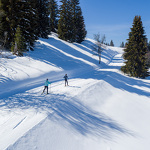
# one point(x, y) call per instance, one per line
point(100, 109)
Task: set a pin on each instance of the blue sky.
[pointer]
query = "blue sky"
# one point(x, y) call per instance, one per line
point(114, 18)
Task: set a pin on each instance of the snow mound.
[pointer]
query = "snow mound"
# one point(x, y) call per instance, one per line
point(100, 109)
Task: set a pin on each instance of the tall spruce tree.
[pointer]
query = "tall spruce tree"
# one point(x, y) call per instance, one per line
point(2, 15)
point(77, 22)
point(135, 51)
point(32, 16)
point(53, 9)
point(122, 45)
point(111, 43)
point(43, 12)
point(81, 31)
point(29, 22)
point(19, 44)
point(148, 45)
point(19, 13)
point(9, 9)
point(71, 25)
point(74, 9)
point(63, 20)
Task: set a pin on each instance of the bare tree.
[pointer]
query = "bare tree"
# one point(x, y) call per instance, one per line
point(98, 46)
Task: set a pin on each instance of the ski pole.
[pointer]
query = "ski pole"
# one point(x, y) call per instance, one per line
point(50, 88)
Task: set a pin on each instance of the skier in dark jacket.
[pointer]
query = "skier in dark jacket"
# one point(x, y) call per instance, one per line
point(46, 85)
point(66, 79)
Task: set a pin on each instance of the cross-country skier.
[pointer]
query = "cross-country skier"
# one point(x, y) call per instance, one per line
point(66, 79)
point(46, 85)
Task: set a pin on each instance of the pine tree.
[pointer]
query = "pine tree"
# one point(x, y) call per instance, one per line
point(29, 22)
point(148, 45)
point(2, 16)
point(135, 51)
point(148, 59)
point(74, 9)
point(122, 45)
point(19, 44)
point(53, 9)
point(71, 25)
point(32, 16)
point(77, 22)
point(111, 43)
point(43, 12)
point(22, 14)
point(3, 33)
point(9, 11)
point(81, 31)
point(63, 20)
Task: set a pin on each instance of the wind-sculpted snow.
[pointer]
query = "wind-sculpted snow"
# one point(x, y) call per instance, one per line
point(102, 108)
point(81, 118)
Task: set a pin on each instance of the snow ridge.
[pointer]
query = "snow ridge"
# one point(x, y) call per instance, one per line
point(100, 109)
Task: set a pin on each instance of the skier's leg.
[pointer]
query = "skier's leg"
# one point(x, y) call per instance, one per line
point(44, 89)
point(47, 89)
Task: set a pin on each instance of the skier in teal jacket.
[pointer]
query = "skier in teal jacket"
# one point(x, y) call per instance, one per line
point(46, 85)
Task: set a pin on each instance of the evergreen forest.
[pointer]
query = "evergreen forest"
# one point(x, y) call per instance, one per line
point(22, 22)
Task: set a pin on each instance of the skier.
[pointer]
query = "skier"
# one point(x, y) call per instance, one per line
point(66, 79)
point(46, 86)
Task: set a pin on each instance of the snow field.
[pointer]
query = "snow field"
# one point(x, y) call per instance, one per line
point(100, 109)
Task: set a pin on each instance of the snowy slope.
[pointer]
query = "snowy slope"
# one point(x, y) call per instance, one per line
point(100, 109)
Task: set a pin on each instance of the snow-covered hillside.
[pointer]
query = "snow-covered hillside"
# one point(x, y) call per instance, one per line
point(101, 109)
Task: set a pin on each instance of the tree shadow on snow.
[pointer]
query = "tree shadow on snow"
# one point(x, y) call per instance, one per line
point(122, 82)
point(86, 121)
point(68, 111)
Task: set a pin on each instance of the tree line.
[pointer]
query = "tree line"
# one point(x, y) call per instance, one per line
point(136, 50)
point(22, 22)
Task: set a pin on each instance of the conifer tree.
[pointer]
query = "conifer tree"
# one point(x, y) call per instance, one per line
point(8, 19)
point(74, 9)
point(53, 9)
point(148, 45)
point(81, 31)
point(77, 23)
point(19, 44)
point(135, 51)
point(122, 45)
point(29, 22)
point(32, 16)
point(2, 16)
point(71, 25)
point(23, 14)
point(63, 20)
point(111, 43)
point(43, 13)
